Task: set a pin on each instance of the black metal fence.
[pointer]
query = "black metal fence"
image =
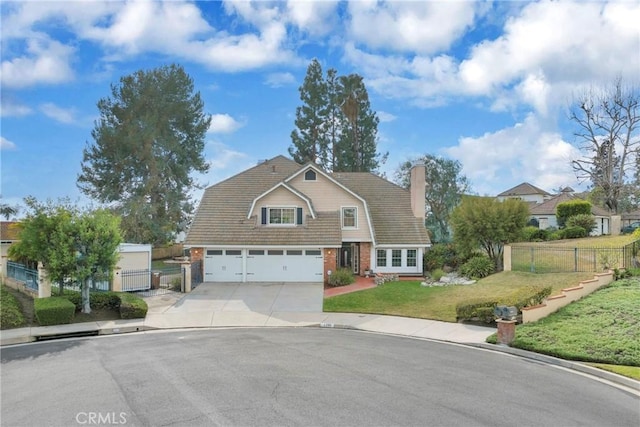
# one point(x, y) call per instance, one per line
point(196, 273)
point(553, 259)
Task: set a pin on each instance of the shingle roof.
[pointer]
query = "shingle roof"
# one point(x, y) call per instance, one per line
point(389, 206)
point(221, 218)
point(549, 207)
point(523, 189)
point(9, 231)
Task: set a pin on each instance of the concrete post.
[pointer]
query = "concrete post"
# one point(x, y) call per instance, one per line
point(506, 258)
point(116, 284)
point(44, 285)
point(186, 277)
point(506, 331)
point(616, 225)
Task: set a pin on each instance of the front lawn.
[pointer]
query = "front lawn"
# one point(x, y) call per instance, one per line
point(409, 299)
point(603, 327)
point(605, 241)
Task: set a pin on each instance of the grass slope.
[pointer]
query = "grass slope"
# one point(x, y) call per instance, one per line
point(603, 327)
point(409, 299)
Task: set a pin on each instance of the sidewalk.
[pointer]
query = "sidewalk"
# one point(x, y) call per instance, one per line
point(164, 313)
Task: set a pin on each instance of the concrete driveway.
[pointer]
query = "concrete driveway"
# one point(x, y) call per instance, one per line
point(252, 297)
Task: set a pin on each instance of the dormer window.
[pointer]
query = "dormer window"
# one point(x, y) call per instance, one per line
point(310, 175)
point(281, 216)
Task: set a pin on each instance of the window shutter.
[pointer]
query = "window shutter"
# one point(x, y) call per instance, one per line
point(264, 216)
point(299, 216)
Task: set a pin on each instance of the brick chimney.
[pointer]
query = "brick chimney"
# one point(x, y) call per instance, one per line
point(418, 188)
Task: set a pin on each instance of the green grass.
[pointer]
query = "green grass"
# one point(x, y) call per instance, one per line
point(587, 242)
point(627, 371)
point(603, 327)
point(409, 299)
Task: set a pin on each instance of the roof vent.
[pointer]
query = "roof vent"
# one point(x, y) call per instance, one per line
point(273, 169)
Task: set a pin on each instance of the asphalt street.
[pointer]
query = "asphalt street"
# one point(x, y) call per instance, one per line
point(301, 376)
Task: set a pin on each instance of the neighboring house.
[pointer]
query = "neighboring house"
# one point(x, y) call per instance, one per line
point(285, 222)
point(629, 217)
point(8, 234)
point(525, 192)
point(545, 213)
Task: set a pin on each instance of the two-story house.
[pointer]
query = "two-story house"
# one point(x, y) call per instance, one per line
point(285, 222)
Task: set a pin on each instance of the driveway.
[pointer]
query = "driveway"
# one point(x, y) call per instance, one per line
point(252, 297)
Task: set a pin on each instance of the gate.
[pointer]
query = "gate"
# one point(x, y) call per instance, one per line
point(196, 273)
point(136, 280)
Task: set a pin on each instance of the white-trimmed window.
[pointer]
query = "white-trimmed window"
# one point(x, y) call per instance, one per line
point(381, 257)
point(279, 216)
point(396, 258)
point(412, 258)
point(310, 175)
point(350, 217)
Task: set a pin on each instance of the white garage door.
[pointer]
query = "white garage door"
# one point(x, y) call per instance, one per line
point(223, 265)
point(284, 265)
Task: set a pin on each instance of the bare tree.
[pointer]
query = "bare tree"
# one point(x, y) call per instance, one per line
point(608, 134)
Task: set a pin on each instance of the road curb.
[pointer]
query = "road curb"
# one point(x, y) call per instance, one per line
point(569, 364)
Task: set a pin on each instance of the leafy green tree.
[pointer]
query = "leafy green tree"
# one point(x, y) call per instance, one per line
point(97, 236)
point(488, 224)
point(444, 188)
point(72, 244)
point(148, 141)
point(335, 126)
point(46, 236)
point(310, 141)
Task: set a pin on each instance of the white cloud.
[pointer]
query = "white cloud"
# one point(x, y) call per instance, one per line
point(525, 152)
point(12, 108)
point(422, 27)
point(44, 62)
point(224, 123)
point(276, 80)
point(59, 114)
point(313, 17)
point(385, 117)
point(5, 144)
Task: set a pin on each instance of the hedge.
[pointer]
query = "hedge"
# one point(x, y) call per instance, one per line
point(132, 306)
point(482, 310)
point(10, 312)
point(53, 310)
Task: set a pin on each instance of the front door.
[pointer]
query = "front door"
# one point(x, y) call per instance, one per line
point(350, 257)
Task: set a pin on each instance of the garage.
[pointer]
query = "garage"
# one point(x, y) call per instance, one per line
point(264, 265)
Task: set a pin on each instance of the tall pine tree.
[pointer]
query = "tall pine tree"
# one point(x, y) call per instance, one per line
point(310, 142)
point(148, 141)
point(335, 126)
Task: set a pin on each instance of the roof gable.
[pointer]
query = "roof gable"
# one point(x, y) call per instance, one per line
point(523, 189)
point(286, 187)
point(9, 231)
point(549, 207)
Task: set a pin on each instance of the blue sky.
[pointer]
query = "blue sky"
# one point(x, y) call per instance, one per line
point(484, 83)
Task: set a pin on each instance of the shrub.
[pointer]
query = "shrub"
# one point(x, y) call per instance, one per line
point(555, 235)
point(527, 296)
point(573, 233)
point(97, 300)
point(53, 310)
point(441, 255)
point(477, 267)
point(565, 210)
point(588, 222)
point(341, 277)
point(10, 311)
point(437, 274)
point(534, 234)
point(476, 310)
point(132, 306)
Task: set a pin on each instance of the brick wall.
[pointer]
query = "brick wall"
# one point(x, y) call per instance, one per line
point(330, 262)
point(365, 257)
